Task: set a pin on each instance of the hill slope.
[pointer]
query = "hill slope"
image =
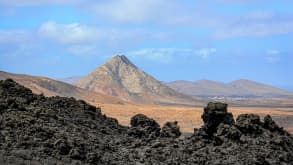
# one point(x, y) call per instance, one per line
point(50, 87)
point(70, 80)
point(238, 88)
point(247, 87)
point(120, 77)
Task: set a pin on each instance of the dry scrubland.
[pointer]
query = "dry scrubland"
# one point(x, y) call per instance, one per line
point(189, 117)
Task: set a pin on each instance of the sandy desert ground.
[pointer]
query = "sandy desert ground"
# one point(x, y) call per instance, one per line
point(189, 117)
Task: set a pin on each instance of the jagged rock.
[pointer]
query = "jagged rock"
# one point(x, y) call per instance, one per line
point(270, 124)
point(19, 92)
point(171, 129)
point(201, 135)
point(62, 146)
point(21, 153)
point(249, 123)
point(52, 128)
point(228, 131)
point(58, 130)
point(77, 154)
point(144, 127)
point(214, 114)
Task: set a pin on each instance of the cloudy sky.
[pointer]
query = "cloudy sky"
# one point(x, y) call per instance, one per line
point(219, 40)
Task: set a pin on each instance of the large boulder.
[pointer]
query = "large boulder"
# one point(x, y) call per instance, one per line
point(143, 127)
point(230, 132)
point(171, 129)
point(270, 124)
point(249, 123)
point(214, 114)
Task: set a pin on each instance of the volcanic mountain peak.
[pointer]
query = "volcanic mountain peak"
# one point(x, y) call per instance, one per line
point(118, 59)
point(120, 77)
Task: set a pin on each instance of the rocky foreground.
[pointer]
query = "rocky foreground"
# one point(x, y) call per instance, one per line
point(55, 130)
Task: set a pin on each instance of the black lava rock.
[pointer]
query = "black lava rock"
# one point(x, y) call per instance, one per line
point(249, 123)
point(270, 124)
point(144, 127)
point(171, 129)
point(214, 114)
point(56, 130)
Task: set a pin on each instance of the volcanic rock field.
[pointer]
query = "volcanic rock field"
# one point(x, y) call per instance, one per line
point(35, 129)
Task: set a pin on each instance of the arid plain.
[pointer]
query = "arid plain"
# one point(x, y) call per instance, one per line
point(190, 117)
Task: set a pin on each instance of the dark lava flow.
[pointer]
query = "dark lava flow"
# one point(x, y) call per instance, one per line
point(56, 130)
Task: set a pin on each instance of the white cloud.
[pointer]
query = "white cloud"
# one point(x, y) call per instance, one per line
point(205, 52)
point(131, 11)
point(15, 36)
point(273, 52)
point(69, 33)
point(163, 55)
point(273, 56)
point(240, 1)
point(155, 12)
point(81, 50)
point(170, 14)
point(75, 38)
point(256, 24)
point(36, 2)
point(166, 55)
point(18, 43)
point(81, 39)
point(254, 30)
point(76, 33)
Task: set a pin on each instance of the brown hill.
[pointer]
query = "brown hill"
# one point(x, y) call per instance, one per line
point(120, 77)
point(50, 87)
point(248, 87)
point(238, 88)
point(70, 80)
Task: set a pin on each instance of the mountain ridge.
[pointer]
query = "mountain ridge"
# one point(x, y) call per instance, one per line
point(70, 80)
point(236, 88)
point(51, 87)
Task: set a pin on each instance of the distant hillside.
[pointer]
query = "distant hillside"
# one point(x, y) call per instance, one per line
point(50, 87)
point(70, 80)
point(121, 78)
point(238, 88)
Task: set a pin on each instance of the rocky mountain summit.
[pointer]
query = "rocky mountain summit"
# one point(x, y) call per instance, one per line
point(119, 77)
point(56, 130)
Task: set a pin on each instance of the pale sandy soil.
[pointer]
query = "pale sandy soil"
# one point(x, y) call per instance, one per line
point(190, 118)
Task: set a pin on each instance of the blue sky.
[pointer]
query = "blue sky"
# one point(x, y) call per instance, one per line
point(221, 40)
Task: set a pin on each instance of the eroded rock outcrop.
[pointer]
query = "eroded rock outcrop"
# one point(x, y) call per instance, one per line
point(215, 114)
point(171, 129)
point(249, 123)
point(143, 127)
point(39, 130)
